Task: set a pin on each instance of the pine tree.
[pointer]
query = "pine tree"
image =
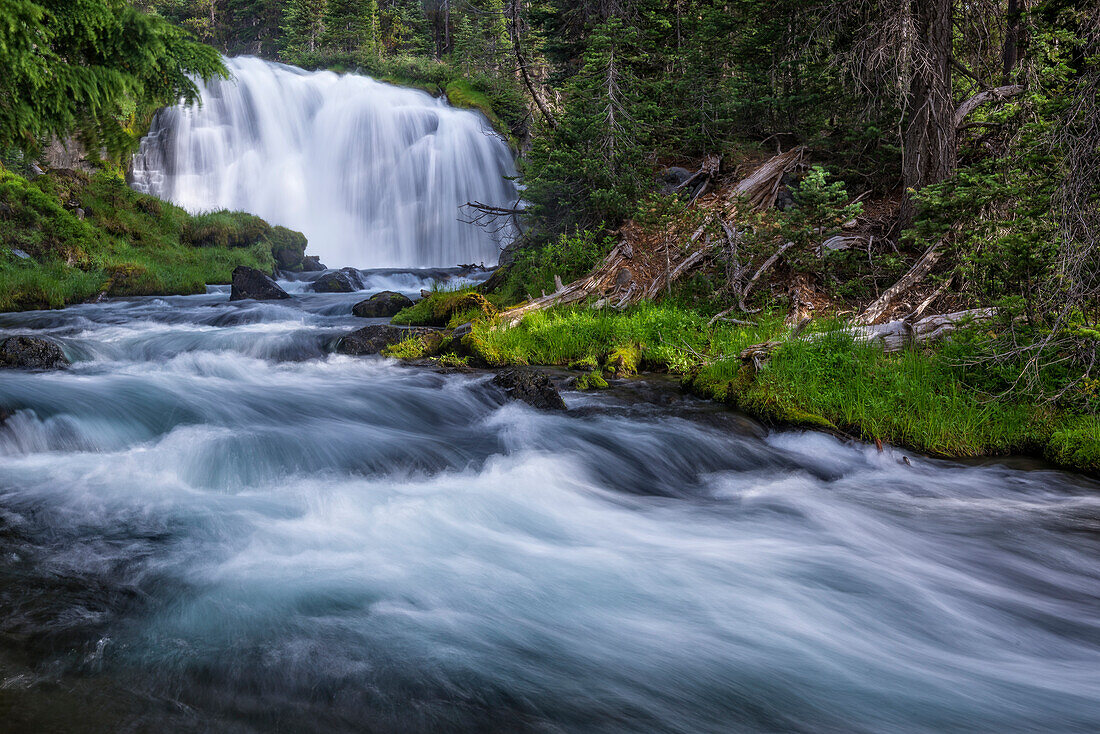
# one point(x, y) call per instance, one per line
point(464, 42)
point(303, 27)
point(372, 31)
point(344, 25)
point(497, 37)
point(591, 168)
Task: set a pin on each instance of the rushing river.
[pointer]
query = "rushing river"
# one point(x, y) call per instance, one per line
point(211, 523)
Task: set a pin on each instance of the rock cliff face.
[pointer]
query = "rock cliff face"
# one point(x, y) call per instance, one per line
point(66, 153)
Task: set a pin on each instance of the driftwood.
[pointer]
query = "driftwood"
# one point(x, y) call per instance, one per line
point(743, 293)
point(893, 336)
point(761, 187)
point(614, 283)
point(701, 180)
point(613, 280)
point(920, 269)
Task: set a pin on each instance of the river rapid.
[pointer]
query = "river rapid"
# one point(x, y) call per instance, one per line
point(212, 523)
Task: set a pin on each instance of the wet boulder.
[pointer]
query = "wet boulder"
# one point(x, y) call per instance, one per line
point(344, 280)
point(288, 248)
point(530, 386)
point(381, 305)
point(312, 264)
point(251, 283)
point(31, 353)
point(376, 337)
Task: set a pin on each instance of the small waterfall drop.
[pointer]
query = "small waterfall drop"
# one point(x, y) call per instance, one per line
point(374, 175)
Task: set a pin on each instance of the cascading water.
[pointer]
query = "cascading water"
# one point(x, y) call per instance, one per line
point(374, 175)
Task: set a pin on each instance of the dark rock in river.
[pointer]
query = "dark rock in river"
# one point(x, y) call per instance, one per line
point(344, 280)
point(31, 353)
point(530, 386)
point(312, 264)
point(251, 283)
point(381, 305)
point(376, 337)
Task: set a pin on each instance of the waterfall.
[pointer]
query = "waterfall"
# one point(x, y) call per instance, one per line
point(374, 175)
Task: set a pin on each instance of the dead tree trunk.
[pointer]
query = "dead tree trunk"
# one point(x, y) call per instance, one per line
point(893, 336)
point(920, 269)
point(1011, 51)
point(762, 186)
point(929, 153)
point(619, 282)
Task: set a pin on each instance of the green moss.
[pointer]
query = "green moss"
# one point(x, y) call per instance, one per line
point(586, 364)
point(461, 93)
point(288, 248)
point(126, 244)
point(591, 381)
point(224, 229)
point(625, 360)
point(451, 360)
point(414, 348)
point(446, 308)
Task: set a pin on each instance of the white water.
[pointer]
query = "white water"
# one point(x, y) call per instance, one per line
point(209, 523)
point(374, 175)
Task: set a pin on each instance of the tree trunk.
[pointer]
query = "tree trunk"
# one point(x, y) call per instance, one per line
point(929, 136)
point(1012, 39)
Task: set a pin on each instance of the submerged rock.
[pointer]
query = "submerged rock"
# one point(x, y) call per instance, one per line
point(31, 353)
point(376, 337)
point(381, 305)
point(251, 283)
point(344, 280)
point(530, 386)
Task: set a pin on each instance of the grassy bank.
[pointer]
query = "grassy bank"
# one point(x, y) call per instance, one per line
point(66, 237)
point(918, 399)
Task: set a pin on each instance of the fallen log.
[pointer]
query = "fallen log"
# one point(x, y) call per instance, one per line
point(921, 268)
point(892, 336)
point(606, 283)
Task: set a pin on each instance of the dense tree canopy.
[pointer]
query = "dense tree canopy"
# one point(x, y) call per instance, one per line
point(88, 67)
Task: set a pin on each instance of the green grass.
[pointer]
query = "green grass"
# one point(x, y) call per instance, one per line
point(656, 337)
point(127, 244)
point(914, 398)
point(461, 93)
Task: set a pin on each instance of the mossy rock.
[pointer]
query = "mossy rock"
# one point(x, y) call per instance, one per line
point(226, 229)
point(591, 381)
point(127, 279)
point(447, 308)
point(585, 364)
point(288, 248)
